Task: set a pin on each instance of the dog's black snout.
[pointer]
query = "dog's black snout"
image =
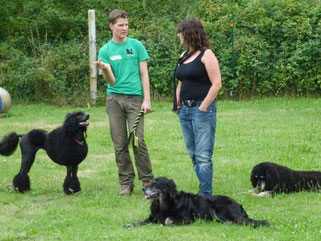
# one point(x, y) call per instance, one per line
point(87, 116)
point(144, 188)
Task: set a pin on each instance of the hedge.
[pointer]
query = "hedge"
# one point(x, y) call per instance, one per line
point(276, 45)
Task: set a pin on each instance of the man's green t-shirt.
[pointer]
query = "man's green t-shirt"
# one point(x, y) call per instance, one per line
point(124, 59)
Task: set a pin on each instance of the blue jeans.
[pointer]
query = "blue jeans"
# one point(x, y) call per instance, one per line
point(198, 129)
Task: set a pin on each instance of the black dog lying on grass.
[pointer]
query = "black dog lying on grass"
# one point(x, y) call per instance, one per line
point(171, 207)
point(269, 178)
point(66, 145)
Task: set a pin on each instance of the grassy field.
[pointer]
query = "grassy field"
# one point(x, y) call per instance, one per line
point(282, 130)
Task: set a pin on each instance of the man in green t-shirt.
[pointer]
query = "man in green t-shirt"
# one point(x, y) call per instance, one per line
point(123, 62)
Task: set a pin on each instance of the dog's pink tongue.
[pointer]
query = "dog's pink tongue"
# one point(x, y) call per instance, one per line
point(84, 123)
point(147, 196)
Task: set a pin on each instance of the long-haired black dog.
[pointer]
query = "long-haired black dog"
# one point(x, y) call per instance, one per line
point(269, 178)
point(171, 207)
point(65, 145)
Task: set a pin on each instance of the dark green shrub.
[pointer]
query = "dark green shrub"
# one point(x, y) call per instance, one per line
point(44, 49)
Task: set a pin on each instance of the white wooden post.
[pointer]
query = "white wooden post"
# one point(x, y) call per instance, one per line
point(92, 55)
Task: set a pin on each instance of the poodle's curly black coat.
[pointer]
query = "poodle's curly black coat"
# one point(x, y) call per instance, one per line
point(171, 207)
point(272, 178)
point(65, 145)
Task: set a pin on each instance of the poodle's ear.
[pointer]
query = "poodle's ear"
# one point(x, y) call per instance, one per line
point(71, 124)
point(171, 188)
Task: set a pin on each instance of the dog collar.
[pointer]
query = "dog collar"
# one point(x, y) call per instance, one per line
point(79, 142)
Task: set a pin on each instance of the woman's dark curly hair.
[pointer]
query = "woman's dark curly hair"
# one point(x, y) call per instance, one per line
point(194, 34)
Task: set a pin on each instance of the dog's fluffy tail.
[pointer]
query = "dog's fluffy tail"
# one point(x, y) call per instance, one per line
point(255, 223)
point(309, 180)
point(9, 144)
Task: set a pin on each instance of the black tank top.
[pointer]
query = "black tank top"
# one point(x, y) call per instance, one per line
point(194, 78)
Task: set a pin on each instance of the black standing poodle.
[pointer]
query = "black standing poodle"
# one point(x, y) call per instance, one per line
point(65, 145)
point(269, 178)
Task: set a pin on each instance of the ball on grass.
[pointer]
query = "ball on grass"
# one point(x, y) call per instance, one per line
point(5, 100)
point(254, 194)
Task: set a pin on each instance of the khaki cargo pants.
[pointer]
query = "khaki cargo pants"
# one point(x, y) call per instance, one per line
point(122, 111)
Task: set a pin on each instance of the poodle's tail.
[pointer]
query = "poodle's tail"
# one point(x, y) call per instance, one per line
point(255, 223)
point(9, 144)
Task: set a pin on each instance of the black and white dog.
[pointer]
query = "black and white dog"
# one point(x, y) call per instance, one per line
point(65, 145)
point(172, 207)
point(269, 178)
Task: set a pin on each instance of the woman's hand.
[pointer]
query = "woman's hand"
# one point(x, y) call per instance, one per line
point(203, 107)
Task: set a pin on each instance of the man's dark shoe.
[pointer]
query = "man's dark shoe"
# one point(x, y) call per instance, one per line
point(126, 190)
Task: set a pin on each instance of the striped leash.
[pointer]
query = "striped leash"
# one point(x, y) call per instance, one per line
point(132, 138)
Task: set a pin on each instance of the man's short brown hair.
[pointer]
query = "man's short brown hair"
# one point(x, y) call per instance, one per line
point(117, 13)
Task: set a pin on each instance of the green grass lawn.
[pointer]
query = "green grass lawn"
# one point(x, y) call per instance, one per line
point(281, 130)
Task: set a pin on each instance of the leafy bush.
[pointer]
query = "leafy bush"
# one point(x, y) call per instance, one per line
point(276, 45)
point(55, 73)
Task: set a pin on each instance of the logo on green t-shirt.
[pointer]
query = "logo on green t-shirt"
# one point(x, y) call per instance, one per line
point(129, 52)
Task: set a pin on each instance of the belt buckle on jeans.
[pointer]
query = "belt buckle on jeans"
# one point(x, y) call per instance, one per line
point(189, 103)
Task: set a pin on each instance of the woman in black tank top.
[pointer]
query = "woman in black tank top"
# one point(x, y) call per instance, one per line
point(199, 81)
point(194, 78)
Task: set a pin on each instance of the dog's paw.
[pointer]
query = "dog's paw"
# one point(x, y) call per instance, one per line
point(264, 194)
point(69, 191)
point(129, 225)
point(169, 221)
